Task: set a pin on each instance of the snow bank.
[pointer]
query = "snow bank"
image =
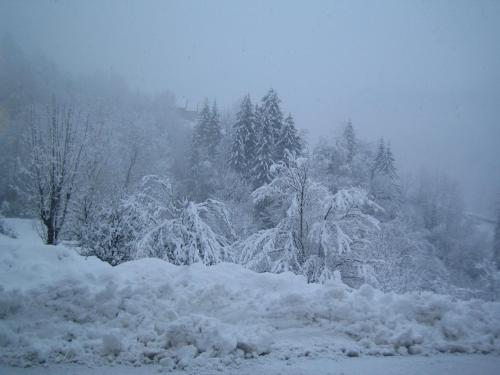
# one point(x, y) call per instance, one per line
point(56, 306)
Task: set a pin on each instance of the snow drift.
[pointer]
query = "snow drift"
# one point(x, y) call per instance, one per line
point(56, 306)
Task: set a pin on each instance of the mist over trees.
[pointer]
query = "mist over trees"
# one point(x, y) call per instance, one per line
point(123, 175)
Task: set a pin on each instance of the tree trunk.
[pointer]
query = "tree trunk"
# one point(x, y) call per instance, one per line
point(51, 234)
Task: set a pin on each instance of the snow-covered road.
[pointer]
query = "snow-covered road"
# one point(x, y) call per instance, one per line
point(445, 364)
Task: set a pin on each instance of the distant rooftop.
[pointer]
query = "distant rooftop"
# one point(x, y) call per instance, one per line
point(187, 114)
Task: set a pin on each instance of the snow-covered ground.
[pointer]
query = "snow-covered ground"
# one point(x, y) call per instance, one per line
point(62, 312)
point(443, 364)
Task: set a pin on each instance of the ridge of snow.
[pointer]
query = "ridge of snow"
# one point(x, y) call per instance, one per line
point(59, 307)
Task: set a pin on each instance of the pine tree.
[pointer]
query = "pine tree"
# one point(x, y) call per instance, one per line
point(384, 161)
point(384, 180)
point(379, 159)
point(260, 171)
point(350, 141)
point(271, 116)
point(200, 130)
point(207, 133)
point(244, 143)
point(213, 132)
point(389, 167)
point(289, 141)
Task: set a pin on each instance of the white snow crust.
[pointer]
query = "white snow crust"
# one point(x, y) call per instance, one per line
point(57, 307)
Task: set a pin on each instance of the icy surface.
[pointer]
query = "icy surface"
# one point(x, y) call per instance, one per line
point(59, 307)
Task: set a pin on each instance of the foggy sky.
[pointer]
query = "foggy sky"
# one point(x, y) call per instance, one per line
point(423, 74)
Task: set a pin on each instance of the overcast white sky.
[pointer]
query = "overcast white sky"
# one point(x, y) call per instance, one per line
point(424, 74)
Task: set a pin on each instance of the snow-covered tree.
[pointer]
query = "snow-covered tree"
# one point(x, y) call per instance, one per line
point(151, 222)
point(244, 142)
point(318, 234)
point(57, 138)
point(404, 260)
point(342, 237)
point(276, 138)
point(341, 163)
point(213, 134)
point(260, 172)
point(385, 185)
point(379, 161)
point(183, 232)
point(350, 142)
point(289, 142)
point(111, 233)
point(201, 233)
point(384, 162)
point(205, 141)
point(389, 167)
point(271, 115)
point(207, 133)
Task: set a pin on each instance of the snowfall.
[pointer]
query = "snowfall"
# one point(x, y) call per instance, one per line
point(61, 313)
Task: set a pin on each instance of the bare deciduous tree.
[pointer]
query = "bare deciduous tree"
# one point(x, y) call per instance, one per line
point(57, 139)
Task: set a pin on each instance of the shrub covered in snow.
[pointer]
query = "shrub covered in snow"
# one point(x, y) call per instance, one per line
point(152, 223)
point(111, 234)
point(201, 232)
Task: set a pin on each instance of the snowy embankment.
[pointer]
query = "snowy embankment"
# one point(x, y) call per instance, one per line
point(56, 306)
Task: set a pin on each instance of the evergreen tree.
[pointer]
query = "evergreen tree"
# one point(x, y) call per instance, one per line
point(384, 161)
point(384, 180)
point(207, 133)
point(206, 137)
point(350, 141)
point(379, 158)
point(289, 141)
point(213, 132)
point(200, 133)
point(272, 117)
point(260, 172)
point(244, 142)
point(389, 167)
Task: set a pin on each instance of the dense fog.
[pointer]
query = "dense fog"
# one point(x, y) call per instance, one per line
point(423, 74)
point(355, 143)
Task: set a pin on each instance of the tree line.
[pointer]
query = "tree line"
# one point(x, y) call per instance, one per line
point(123, 175)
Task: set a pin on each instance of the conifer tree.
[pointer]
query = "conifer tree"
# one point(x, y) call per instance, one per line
point(289, 141)
point(272, 117)
point(244, 142)
point(200, 131)
point(389, 167)
point(207, 133)
point(213, 132)
point(206, 137)
point(379, 159)
point(260, 171)
point(384, 180)
point(350, 141)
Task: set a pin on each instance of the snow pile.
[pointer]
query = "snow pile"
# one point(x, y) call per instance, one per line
point(56, 306)
point(5, 229)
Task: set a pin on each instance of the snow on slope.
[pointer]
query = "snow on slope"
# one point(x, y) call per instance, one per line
point(58, 307)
